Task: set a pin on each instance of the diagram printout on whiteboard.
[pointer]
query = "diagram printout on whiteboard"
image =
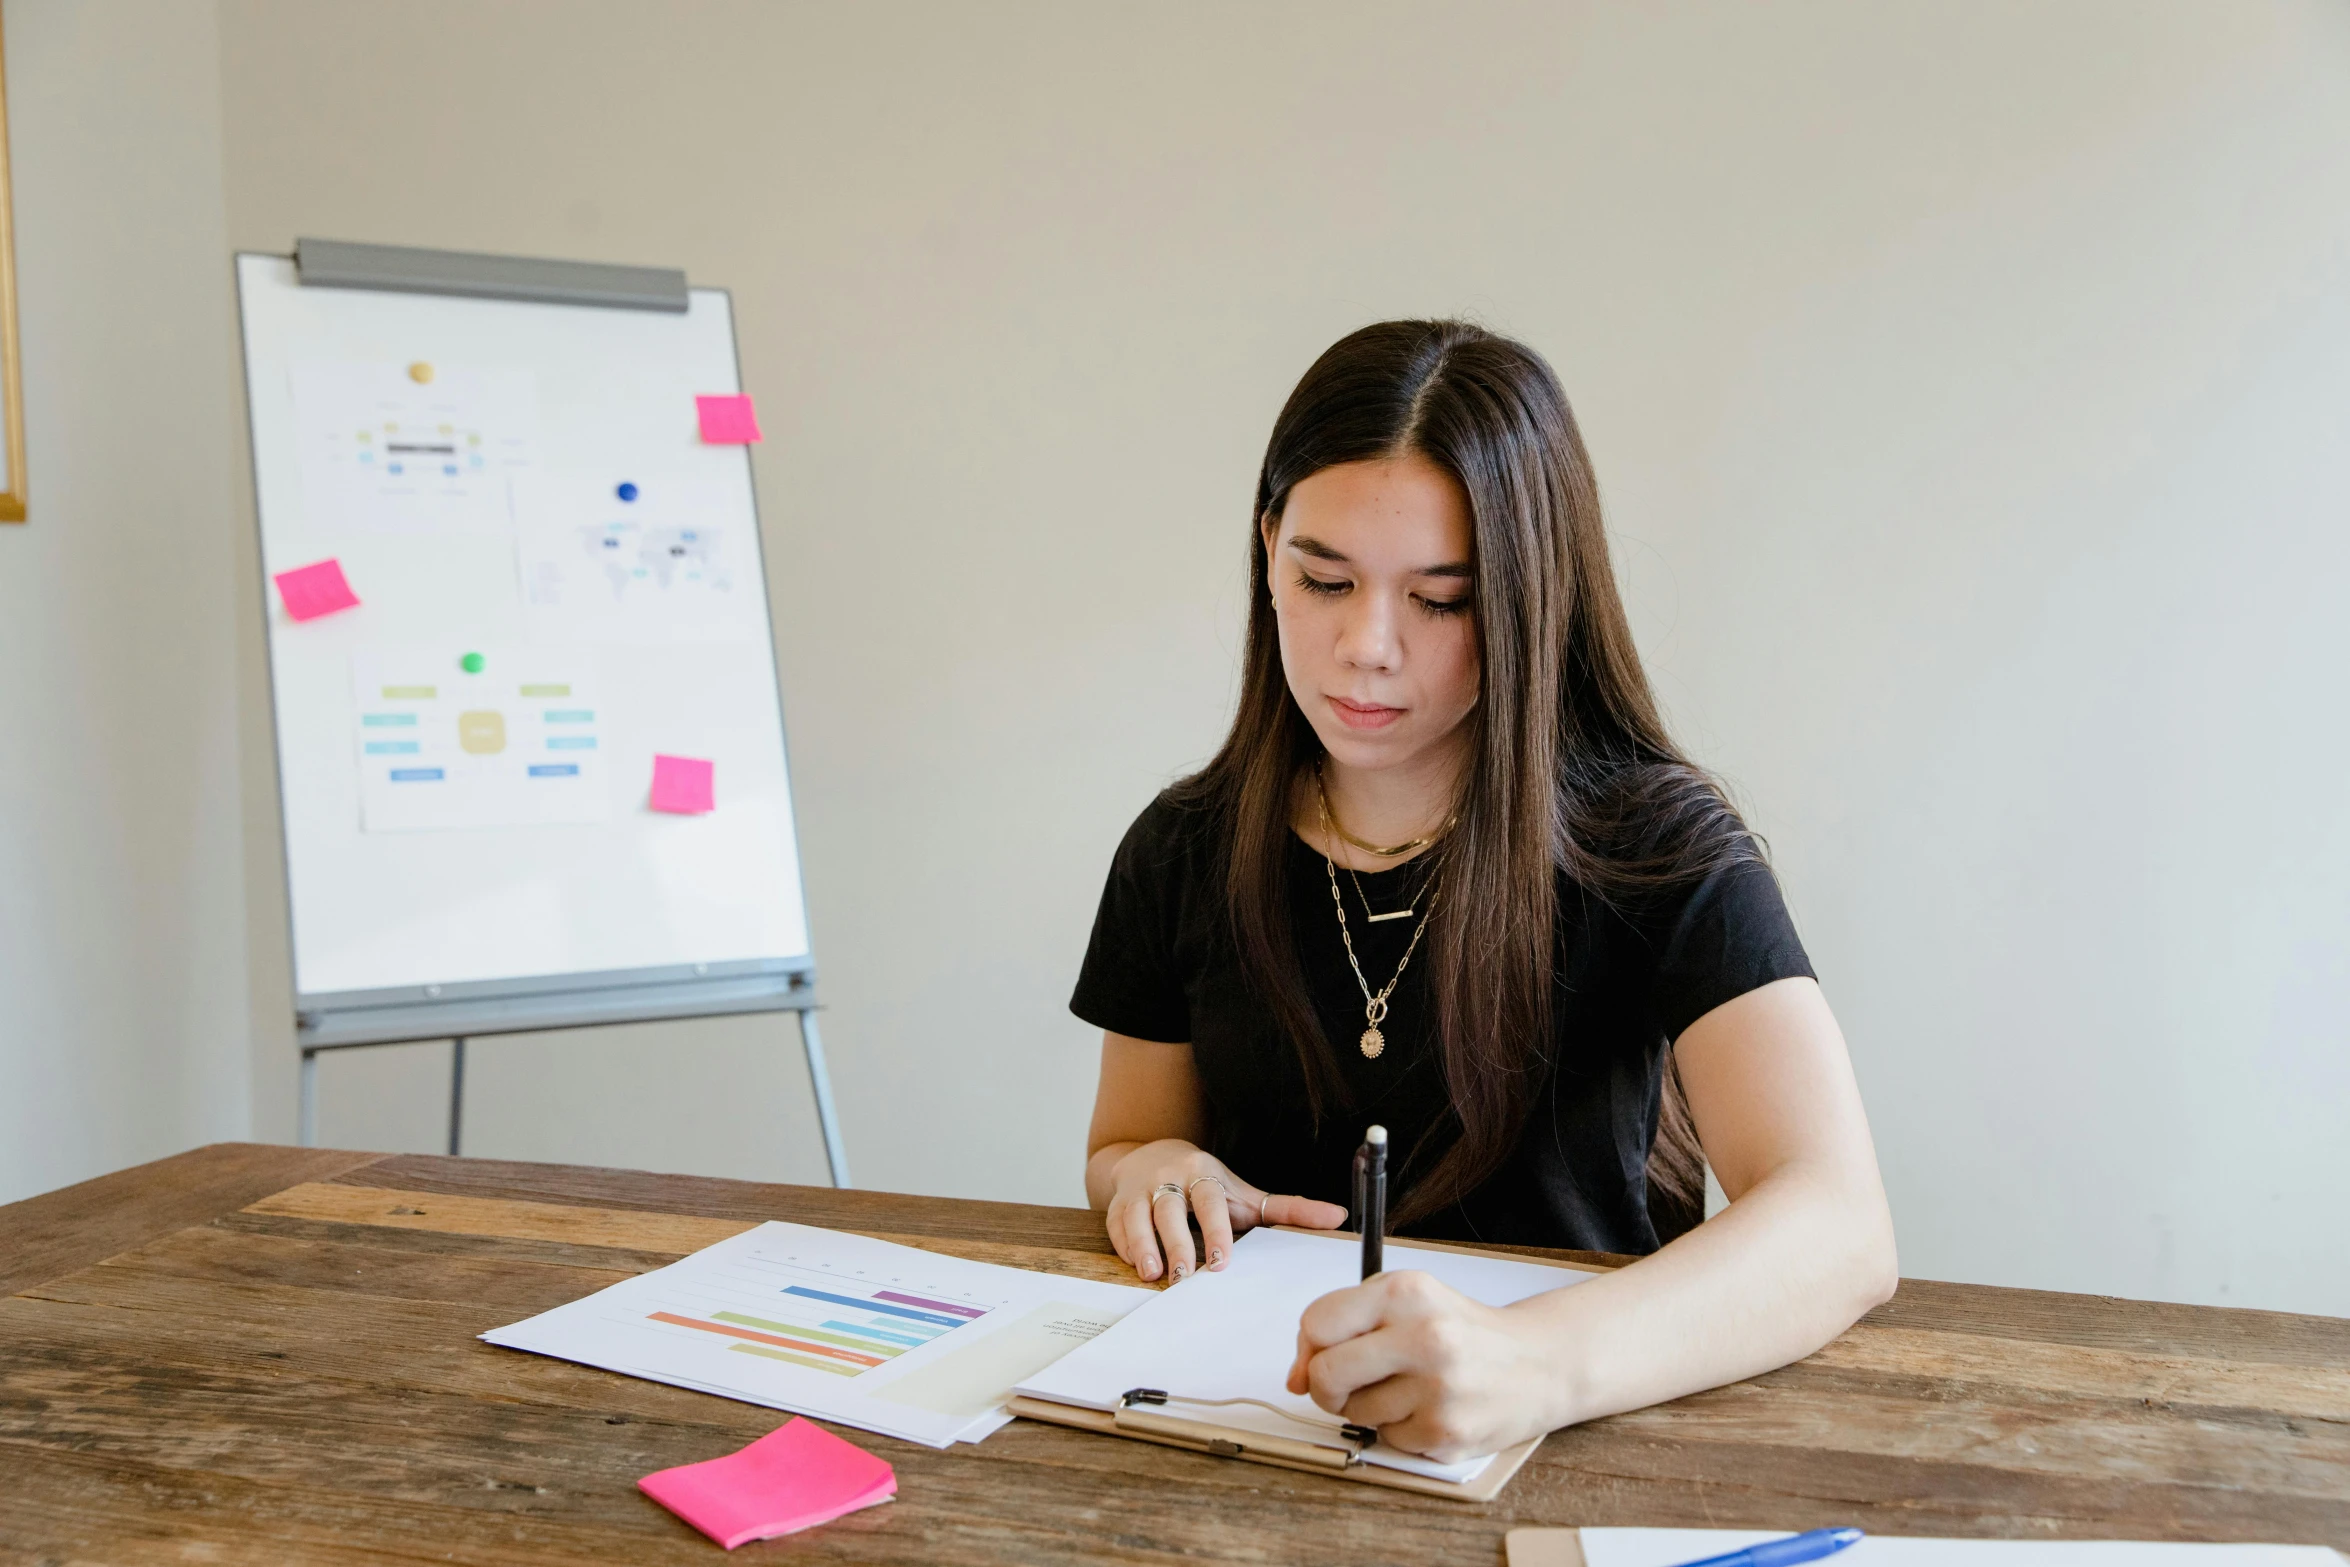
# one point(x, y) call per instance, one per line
point(383, 451)
point(556, 580)
point(519, 743)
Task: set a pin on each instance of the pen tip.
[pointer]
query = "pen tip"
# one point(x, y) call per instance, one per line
point(1376, 1136)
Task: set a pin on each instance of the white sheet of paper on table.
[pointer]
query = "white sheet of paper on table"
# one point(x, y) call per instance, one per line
point(1673, 1547)
point(883, 1337)
point(1233, 1334)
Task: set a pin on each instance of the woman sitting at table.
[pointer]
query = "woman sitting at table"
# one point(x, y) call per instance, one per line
point(1448, 873)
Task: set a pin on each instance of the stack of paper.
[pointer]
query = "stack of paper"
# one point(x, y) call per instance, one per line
point(886, 1338)
point(1233, 1334)
point(1668, 1547)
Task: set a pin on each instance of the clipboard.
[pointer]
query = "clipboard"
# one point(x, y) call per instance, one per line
point(1147, 1424)
point(1252, 1448)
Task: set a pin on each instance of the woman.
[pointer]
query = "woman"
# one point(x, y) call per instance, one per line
point(1448, 873)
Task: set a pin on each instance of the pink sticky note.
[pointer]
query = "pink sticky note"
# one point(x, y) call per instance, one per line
point(684, 784)
point(314, 590)
point(727, 421)
point(795, 1477)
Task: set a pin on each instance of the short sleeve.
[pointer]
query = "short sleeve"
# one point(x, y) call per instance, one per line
point(1731, 935)
point(1130, 983)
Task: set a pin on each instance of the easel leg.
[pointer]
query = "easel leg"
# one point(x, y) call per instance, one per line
point(456, 1092)
point(307, 1126)
point(821, 1082)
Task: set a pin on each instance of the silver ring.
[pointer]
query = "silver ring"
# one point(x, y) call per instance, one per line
point(1167, 1189)
point(1220, 1186)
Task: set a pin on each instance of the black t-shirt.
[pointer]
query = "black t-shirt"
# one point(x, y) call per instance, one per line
point(1162, 965)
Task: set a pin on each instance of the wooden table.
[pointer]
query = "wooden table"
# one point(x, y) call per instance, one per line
point(257, 1354)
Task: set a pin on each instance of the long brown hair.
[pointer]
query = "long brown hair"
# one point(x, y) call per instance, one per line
point(1570, 767)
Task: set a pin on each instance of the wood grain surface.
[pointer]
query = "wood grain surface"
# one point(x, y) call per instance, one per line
point(256, 1354)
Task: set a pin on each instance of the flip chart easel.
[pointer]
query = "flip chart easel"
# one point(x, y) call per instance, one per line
point(545, 585)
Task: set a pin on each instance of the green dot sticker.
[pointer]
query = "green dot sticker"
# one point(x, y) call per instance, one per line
point(472, 663)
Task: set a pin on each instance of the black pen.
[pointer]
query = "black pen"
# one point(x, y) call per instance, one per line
point(1371, 1198)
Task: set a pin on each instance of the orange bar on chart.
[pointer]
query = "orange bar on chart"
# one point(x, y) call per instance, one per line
point(825, 1350)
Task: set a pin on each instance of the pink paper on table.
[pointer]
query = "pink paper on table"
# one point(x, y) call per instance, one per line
point(314, 590)
point(686, 785)
point(727, 421)
point(795, 1477)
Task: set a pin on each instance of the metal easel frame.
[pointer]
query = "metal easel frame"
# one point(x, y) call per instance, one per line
point(811, 1042)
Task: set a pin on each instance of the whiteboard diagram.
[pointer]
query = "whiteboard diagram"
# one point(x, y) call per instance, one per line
point(662, 564)
point(489, 833)
point(543, 595)
point(494, 737)
point(391, 447)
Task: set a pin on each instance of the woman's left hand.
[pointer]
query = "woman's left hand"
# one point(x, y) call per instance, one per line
point(1439, 1374)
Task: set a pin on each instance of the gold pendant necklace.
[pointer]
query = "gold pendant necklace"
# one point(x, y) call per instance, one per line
point(1374, 1006)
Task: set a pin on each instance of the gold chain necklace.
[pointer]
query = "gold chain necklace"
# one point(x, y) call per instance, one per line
point(1409, 845)
point(1374, 1006)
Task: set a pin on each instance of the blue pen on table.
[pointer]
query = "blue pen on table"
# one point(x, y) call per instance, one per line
point(1809, 1546)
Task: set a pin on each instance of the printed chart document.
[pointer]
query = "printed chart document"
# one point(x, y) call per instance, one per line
point(1233, 1334)
point(1668, 1547)
point(883, 1337)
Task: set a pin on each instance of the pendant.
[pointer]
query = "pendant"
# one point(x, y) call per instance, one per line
point(1373, 1042)
point(1399, 914)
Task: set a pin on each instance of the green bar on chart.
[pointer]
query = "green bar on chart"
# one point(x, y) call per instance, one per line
point(812, 1363)
point(869, 1346)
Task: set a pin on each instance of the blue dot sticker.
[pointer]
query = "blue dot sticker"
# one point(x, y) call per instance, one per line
point(626, 492)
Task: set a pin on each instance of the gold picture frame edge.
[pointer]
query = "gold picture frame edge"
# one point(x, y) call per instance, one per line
point(13, 506)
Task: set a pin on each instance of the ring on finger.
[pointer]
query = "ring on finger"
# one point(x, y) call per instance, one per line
point(1220, 1186)
point(1168, 1189)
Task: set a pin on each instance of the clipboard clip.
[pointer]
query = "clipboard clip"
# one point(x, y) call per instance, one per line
point(1137, 1412)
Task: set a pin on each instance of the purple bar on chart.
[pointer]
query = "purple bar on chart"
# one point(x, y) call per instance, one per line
point(928, 1305)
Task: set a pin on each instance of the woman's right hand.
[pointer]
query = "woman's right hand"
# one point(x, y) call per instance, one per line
point(1151, 1228)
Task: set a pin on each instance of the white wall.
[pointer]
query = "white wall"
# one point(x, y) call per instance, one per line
point(2002, 564)
point(1965, 379)
point(123, 1031)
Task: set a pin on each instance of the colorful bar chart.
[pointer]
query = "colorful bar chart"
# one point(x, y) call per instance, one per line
point(825, 1322)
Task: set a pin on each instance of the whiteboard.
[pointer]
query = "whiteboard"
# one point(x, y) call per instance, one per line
point(557, 581)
